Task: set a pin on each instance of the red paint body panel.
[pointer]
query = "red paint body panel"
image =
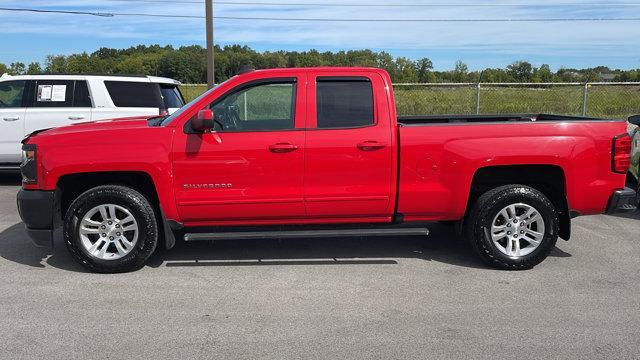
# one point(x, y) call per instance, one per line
point(341, 180)
point(421, 171)
point(437, 163)
point(261, 184)
point(108, 146)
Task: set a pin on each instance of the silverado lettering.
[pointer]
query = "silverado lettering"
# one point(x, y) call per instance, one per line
point(206, 186)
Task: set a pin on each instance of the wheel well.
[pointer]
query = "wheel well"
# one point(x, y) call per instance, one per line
point(548, 179)
point(71, 186)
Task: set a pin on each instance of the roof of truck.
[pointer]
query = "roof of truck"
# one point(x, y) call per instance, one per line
point(326, 68)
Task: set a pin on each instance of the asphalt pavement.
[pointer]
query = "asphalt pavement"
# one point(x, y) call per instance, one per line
point(356, 298)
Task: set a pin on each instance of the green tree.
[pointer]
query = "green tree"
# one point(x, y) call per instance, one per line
point(425, 66)
point(543, 74)
point(82, 63)
point(385, 61)
point(34, 68)
point(3, 69)
point(273, 60)
point(56, 64)
point(406, 71)
point(17, 68)
point(495, 75)
point(460, 72)
point(591, 76)
point(521, 71)
point(187, 65)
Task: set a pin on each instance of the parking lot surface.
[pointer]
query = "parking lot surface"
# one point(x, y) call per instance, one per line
point(406, 297)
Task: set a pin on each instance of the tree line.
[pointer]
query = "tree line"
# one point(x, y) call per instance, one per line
point(188, 65)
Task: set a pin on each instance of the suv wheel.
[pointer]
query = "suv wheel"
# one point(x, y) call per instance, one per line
point(512, 227)
point(111, 229)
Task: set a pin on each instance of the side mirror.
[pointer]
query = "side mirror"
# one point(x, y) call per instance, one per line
point(635, 120)
point(203, 121)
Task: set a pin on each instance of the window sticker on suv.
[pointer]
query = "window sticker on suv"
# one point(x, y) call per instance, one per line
point(52, 93)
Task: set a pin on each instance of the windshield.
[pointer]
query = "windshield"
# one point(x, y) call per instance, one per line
point(179, 112)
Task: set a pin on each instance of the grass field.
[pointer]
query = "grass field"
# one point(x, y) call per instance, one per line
point(602, 100)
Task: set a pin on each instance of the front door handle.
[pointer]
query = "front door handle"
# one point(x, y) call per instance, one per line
point(370, 146)
point(76, 117)
point(282, 147)
point(11, 118)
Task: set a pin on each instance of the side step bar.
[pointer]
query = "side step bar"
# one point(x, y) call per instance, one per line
point(295, 234)
point(10, 168)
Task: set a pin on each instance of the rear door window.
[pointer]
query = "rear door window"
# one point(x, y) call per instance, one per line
point(134, 94)
point(171, 96)
point(53, 93)
point(344, 102)
point(81, 96)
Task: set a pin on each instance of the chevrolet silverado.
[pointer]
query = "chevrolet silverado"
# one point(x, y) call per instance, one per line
point(318, 152)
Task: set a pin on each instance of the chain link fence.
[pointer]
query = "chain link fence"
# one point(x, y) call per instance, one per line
point(614, 100)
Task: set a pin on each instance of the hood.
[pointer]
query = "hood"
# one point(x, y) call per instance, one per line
point(99, 125)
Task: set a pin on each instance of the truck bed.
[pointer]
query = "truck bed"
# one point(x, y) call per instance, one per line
point(498, 118)
point(438, 158)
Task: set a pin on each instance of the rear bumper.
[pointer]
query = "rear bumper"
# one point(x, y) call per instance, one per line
point(622, 201)
point(38, 210)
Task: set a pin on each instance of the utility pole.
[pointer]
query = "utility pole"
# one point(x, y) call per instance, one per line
point(210, 62)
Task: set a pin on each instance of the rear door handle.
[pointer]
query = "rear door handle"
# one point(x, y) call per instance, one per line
point(76, 117)
point(282, 147)
point(11, 118)
point(370, 146)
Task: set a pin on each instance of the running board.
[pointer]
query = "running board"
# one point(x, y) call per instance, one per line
point(302, 234)
point(10, 168)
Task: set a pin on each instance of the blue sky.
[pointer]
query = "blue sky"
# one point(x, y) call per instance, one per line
point(30, 37)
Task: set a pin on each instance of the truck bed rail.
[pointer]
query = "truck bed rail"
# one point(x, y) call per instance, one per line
point(443, 119)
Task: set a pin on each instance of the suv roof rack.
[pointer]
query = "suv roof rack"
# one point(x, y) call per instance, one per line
point(95, 74)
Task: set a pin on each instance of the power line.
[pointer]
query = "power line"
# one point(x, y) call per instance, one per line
point(112, 14)
point(379, 5)
point(428, 20)
point(59, 12)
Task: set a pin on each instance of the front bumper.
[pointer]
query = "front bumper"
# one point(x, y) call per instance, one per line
point(622, 201)
point(38, 212)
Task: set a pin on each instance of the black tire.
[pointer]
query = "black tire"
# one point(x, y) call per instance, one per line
point(137, 204)
point(634, 183)
point(485, 210)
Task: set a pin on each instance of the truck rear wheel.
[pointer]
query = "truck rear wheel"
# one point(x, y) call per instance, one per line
point(111, 229)
point(512, 227)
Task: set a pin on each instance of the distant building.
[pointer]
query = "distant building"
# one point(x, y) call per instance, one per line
point(606, 77)
point(573, 74)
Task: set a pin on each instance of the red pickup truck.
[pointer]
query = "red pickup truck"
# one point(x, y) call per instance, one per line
point(318, 152)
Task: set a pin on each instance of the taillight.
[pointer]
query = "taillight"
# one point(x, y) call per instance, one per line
point(621, 159)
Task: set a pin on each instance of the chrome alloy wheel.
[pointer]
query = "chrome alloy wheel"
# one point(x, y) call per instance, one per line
point(108, 232)
point(517, 230)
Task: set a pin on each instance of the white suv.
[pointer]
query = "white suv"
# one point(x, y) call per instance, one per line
point(34, 102)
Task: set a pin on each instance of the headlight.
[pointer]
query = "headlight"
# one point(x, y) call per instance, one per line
point(28, 167)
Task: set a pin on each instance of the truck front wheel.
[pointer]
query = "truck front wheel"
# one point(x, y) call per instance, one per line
point(111, 229)
point(512, 227)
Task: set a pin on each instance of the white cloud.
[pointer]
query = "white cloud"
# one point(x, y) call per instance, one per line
point(571, 39)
